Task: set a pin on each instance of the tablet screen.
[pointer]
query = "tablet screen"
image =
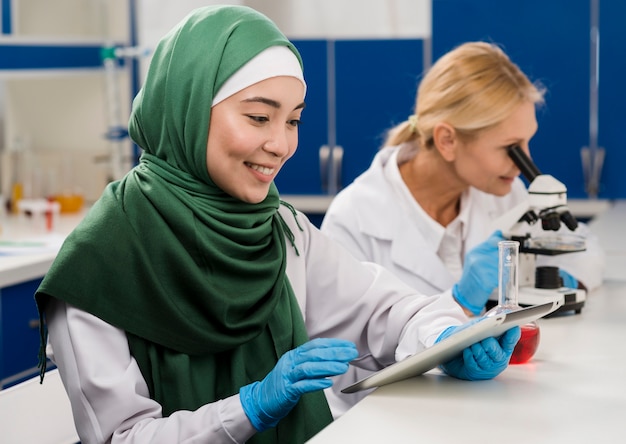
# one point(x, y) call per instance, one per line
point(445, 350)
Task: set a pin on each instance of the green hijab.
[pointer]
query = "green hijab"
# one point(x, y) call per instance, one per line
point(194, 276)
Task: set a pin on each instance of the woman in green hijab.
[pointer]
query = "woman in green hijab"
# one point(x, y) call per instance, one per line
point(191, 304)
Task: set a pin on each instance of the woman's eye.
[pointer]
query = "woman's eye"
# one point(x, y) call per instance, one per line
point(295, 122)
point(258, 119)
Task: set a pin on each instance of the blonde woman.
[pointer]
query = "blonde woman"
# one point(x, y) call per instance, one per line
point(424, 206)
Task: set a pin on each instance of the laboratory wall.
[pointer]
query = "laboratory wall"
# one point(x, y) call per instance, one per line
point(55, 97)
point(363, 60)
point(377, 70)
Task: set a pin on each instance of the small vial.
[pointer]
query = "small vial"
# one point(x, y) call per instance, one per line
point(508, 264)
point(508, 291)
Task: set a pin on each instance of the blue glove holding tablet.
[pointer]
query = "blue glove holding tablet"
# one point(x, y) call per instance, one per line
point(483, 360)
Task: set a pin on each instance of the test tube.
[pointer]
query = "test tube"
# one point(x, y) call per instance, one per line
point(508, 264)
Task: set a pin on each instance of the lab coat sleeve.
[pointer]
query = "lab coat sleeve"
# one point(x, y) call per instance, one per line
point(109, 397)
point(341, 224)
point(342, 297)
point(365, 303)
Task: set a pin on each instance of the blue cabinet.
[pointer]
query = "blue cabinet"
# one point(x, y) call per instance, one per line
point(19, 325)
point(375, 84)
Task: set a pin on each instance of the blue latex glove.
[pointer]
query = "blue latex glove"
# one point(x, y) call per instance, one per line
point(480, 275)
point(485, 359)
point(569, 281)
point(301, 370)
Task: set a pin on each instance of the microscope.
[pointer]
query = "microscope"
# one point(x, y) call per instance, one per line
point(547, 205)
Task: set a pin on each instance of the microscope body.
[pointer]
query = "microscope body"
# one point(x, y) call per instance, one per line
point(546, 205)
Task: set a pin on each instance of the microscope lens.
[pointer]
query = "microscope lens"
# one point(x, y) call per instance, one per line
point(551, 222)
point(569, 220)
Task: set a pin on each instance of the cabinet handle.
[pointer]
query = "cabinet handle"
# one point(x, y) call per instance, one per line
point(331, 159)
point(334, 184)
point(324, 161)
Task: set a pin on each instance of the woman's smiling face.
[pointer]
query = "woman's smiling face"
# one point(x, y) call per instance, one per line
point(252, 134)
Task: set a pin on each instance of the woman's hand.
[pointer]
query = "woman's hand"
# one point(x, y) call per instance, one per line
point(485, 359)
point(301, 370)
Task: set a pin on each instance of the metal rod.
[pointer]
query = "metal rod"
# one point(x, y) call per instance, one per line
point(331, 114)
point(594, 75)
point(593, 155)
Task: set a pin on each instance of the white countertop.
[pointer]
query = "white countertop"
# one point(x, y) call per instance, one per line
point(21, 264)
point(610, 227)
point(572, 391)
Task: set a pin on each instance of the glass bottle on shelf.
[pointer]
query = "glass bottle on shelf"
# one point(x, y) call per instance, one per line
point(508, 289)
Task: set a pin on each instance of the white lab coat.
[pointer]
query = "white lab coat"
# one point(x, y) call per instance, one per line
point(369, 220)
point(339, 297)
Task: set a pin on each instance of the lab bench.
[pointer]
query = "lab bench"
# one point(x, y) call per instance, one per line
point(572, 391)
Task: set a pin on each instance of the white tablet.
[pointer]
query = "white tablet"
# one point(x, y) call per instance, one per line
point(448, 348)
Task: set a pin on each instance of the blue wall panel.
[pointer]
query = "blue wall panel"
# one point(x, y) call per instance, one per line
point(612, 97)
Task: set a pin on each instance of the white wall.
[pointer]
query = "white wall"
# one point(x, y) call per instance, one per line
point(302, 19)
point(62, 117)
point(305, 18)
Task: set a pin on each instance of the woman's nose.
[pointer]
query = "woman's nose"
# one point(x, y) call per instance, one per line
point(277, 144)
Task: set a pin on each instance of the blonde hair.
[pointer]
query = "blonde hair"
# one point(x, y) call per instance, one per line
point(473, 87)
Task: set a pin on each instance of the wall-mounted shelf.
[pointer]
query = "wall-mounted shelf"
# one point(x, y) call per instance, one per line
point(55, 95)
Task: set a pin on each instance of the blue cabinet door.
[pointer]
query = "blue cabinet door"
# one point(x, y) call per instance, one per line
point(19, 322)
point(375, 85)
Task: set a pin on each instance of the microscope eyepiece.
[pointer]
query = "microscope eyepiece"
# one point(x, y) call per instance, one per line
point(523, 162)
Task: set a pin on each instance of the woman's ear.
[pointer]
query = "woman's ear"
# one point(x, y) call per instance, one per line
point(445, 140)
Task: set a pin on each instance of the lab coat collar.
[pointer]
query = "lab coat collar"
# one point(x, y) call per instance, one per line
point(381, 216)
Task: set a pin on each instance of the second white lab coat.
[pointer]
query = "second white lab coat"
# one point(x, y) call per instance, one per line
point(367, 217)
point(369, 220)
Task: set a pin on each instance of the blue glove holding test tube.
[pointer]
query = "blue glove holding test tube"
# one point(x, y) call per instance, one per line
point(480, 275)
